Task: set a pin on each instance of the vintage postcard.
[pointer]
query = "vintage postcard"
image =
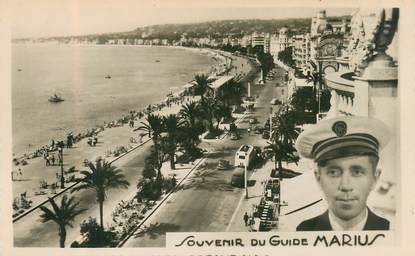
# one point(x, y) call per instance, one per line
point(217, 128)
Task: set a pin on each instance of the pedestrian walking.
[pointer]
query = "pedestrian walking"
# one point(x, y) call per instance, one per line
point(249, 131)
point(246, 218)
point(60, 158)
point(47, 160)
point(52, 159)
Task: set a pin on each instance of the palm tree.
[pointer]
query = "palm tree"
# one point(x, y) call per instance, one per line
point(283, 137)
point(153, 128)
point(222, 112)
point(201, 87)
point(62, 215)
point(102, 178)
point(281, 151)
point(172, 124)
point(209, 107)
point(238, 90)
point(189, 133)
point(316, 77)
point(227, 94)
point(190, 112)
point(284, 125)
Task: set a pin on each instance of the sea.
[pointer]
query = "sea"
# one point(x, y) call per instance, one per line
point(140, 76)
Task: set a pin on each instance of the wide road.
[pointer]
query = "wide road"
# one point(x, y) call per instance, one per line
point(30, 232)
point(207, 201)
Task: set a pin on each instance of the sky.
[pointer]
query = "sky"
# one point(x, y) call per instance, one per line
point(44, 18)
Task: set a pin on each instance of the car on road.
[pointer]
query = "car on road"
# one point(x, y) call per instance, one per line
point(253, 120)
point(244, 155)
point(249, 98)
point(265, 134)
point(235, 136)
point(275, 101)
point(258, 129)
point(223, 165)
point(238, 177)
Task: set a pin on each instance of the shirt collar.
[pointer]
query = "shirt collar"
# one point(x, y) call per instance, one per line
point(336, 226)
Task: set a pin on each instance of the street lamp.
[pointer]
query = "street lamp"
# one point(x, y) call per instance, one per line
point(246, 181)
point(61, 164)
point(270, 122)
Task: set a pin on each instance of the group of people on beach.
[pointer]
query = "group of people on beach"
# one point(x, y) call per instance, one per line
point(224, 65)
point(92, 141)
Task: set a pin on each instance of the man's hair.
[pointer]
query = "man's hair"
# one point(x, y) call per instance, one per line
point(374, 160)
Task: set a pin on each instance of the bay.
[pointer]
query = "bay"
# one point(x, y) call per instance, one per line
point(139, 76)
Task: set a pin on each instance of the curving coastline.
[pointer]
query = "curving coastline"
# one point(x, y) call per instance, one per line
point(223, 63)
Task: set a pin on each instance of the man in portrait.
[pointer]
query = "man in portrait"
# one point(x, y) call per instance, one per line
point(345, 151)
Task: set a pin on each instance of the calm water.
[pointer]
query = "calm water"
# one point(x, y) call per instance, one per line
point(78, 73)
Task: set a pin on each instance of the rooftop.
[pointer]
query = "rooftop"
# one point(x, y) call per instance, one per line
point(220, 81)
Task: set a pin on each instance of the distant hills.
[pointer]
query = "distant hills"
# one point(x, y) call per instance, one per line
point(212, 29)
point(218, 29)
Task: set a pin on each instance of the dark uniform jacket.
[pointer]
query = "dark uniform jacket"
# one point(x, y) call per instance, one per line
point(322, 222)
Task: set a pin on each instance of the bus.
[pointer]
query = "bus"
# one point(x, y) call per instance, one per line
point(244, 155)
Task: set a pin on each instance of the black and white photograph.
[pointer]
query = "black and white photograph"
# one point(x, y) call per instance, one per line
point(145, 124)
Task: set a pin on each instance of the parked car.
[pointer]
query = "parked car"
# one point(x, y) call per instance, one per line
point(265, 134)
point(223, 165)
point(253, 120)
point(250, 98)
point(258, 129)
point(235, 136)
point(275, 101)
point(238, 177)
point(266, 125)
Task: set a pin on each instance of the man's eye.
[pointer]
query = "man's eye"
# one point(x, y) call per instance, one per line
point(333, 172)
point(357, 173)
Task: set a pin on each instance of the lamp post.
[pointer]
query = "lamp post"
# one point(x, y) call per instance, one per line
point(61, 164)
point(246, 181)
point(270, 122)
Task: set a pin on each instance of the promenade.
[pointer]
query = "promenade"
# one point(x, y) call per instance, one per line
point(206, 201)
point(29, 232)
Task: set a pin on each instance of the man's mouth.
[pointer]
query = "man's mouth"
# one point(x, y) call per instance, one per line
point(345, 199)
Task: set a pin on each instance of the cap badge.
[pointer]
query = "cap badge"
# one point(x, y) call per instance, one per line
point(339, 128)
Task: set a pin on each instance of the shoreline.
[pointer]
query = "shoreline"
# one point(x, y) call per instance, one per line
point(112, 144)
point(220, 58)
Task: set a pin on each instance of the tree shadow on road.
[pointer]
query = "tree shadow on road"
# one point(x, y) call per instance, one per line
point(222, 152)
point(207, 180)
point(155, 230)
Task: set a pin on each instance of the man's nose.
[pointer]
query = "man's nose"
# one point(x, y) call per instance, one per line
point(345, 183)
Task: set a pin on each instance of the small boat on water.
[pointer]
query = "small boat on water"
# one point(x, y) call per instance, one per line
point(108, 77)
point(157, 60)
point(19, 69)
point(55, 98)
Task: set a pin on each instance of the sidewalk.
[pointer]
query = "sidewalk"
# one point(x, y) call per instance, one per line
point(255, 193)
point(35, 171)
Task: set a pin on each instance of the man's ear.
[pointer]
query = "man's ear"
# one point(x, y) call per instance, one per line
point(317, 174)
point(377, 173)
